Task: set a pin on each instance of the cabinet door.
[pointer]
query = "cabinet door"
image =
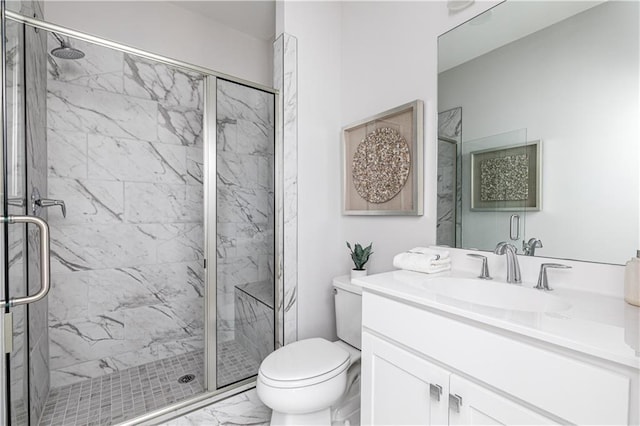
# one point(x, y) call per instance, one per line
point(472, 404)
point(400, 388)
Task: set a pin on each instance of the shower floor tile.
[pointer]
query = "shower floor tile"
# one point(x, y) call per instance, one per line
point(234, 363)
point(129, 393)
point(116, 397)
point(18, 413)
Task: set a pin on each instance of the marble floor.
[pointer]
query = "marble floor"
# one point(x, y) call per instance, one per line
point(241, 409)
point(247, 409)
point(129, 393)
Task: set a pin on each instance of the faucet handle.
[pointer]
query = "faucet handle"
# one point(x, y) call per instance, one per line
point(484, 272)
point(529, 247)
point(543, 281)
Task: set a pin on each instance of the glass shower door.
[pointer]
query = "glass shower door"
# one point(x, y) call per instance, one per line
point(112, 143)
point(125, 153)
point(245, 230)
point(25, 170)
point(108, 144)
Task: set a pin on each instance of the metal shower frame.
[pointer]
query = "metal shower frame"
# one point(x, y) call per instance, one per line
point(209, 139)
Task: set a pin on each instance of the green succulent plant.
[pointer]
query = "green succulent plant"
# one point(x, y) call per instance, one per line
point(359, 255)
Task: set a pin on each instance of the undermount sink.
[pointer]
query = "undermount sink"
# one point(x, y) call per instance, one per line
point(496, 295)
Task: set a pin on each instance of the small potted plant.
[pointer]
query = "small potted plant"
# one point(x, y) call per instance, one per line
point(360, 257)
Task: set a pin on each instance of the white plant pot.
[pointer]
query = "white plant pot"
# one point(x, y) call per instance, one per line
point(358, 273)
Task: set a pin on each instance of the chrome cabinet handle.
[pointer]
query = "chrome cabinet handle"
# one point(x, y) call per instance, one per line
point(44, 260)
point(484, 272)
point(455, 401)
point(435, 391)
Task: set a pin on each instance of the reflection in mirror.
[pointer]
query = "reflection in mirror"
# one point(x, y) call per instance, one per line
point(565, 73)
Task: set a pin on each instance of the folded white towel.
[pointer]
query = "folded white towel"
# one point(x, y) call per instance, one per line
point(431, 252)
point(425, 260)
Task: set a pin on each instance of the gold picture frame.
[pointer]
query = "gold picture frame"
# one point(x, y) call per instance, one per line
point(383, 163)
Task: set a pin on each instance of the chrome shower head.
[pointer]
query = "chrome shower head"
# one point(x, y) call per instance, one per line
point(65, 51)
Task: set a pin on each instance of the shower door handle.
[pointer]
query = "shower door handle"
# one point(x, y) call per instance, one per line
point(514, 227)
point(44, 260)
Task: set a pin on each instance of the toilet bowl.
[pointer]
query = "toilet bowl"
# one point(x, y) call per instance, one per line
point(301, 381)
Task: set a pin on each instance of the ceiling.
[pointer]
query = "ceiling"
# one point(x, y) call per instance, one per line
point(256, 18)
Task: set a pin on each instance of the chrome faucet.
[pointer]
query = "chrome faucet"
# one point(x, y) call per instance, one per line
point(513, 268)
point(530, 246)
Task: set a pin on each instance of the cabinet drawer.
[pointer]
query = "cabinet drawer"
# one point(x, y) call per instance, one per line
point(573, 390)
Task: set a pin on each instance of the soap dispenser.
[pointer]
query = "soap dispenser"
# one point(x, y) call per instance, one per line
point(632, 280)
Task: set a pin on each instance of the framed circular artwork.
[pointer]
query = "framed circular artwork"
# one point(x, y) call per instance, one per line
point(382, 172)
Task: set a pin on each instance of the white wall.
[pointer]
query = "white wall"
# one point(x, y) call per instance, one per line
point(575, 86)
point(169, 30)
point(357, 59)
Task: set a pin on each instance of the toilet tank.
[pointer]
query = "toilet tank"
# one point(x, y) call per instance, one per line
point(348, 299)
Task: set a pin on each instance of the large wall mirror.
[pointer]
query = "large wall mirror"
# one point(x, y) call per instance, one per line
point(538, 139)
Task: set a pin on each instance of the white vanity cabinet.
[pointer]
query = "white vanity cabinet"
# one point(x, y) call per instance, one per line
point(472, 404)
point(400, 388)
point(487, 375)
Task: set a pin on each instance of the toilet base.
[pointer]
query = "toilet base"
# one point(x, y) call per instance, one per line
point(317, 418)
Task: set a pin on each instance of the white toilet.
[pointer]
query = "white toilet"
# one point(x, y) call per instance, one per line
point(301, 381)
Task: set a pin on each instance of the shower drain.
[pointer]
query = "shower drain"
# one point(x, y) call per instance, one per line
point(186, 378)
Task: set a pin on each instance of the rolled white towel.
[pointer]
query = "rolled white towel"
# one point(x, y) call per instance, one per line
point(421, 260)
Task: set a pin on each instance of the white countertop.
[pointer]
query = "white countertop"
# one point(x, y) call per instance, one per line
point(599, 325)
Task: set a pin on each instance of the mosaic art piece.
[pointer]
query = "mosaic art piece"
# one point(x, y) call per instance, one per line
point(505, 179)
point(381, 165)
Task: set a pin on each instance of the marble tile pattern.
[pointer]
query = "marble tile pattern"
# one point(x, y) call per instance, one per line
point(285, 79)
point(449, 193)
point(245, 195)
point(234, 363)
point(242, 409)
point(254, 318)
point(36, 172)
point(125, 154)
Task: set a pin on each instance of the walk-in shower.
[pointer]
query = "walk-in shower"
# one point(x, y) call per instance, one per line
point(163, 267)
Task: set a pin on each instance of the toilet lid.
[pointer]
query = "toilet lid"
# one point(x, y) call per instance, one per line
point(304, 363)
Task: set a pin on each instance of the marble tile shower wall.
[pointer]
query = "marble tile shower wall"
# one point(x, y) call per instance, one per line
point(285, 79)
point(449, 177)
point(126, 155)
point(245, 205)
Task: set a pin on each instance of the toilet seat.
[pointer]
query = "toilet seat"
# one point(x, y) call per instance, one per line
point(303, 363)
